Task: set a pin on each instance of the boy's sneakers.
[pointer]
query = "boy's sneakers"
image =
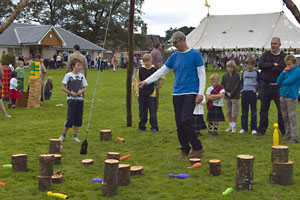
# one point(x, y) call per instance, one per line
point(76, 139)
point(242, 131)
point(233, 129)
point(153, 130)
point(254, 132)
point(62, 138)
point(229, 129)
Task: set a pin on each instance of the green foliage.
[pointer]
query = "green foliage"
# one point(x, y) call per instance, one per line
point(8, 59)
point(186, 30)
point(29, 131)
point(6, 8)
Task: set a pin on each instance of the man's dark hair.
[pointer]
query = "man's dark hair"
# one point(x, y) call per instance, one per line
point(73, 62)
point(76, 47)
point(156, 46)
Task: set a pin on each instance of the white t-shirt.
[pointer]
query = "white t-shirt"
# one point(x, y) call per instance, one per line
point(75, 82)
point(13, 84)
point(218, 102)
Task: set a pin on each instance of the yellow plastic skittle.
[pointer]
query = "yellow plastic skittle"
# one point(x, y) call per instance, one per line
point(58, 195)
point(275, 135)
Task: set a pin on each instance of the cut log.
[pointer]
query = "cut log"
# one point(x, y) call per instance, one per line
point(45, 183)
point(110, 184)
point(113, 155)
point(280, 153)
point(136, 170)
point(105, 135)
point(282, 173)
point(19, 163)
point(215, 167)
point(57, 178)
point(54, 145)
point(57, 159)
point(87, 162)
point(124, 174)
point(244, 172)
point(46, 164)
point(195, 160)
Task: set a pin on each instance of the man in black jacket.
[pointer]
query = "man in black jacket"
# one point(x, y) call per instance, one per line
point(271, 64)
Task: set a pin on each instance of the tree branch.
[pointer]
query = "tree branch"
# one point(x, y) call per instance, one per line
point(293, 8)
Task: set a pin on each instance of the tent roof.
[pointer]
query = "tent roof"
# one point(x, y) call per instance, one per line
point(244, 31)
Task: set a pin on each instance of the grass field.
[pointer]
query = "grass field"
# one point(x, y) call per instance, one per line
point(29, 132)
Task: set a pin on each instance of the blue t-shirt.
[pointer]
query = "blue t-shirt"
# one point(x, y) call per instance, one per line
point(185, 66)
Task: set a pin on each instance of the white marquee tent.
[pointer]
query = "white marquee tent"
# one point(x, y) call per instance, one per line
point(244, 31)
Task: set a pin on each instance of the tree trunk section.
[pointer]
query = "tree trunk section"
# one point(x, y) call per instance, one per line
point(124, 174)
point(136, 170)
point(195, 160)
point(46, 164)
point(113, 155)
point(110, 184)
point(57, 159)
point(280, 154)
point(87, 162)
point(244, 172)
point(45, 183)
point(57, 178)
point(293, 8)
point(19, 163)
point(215, 167)
point(105, 135)
point(282, 173)
point(54, 145)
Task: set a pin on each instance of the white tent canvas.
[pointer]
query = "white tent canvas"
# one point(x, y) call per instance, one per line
point(244, 31)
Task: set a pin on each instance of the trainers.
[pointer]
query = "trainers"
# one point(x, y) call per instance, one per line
point(229, 129)
point(260, 134)
point(62, 138)
point(76, 139)
point(196, 154)
point(287, 137)
point(210, 133)
point(215, 133)
point(293, 141)
point(139, 129)
point(182, 155)
point(154, 130)
point(233, 130)
point(254, 132)
point(242, 131)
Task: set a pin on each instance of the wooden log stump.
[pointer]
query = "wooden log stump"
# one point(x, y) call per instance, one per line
point(136, 170)
point(54, 145)
point(46, 164)
point(19, 163)
point(105, 135)
point(124, 174)
point(282, 173)
point(87, 162)
point(57, 178)
point(195, 160)
point(113, 155)
point(57, 159)
point(45, 183)
point(280, 153)
point(215, 167)
point(110, 184)
point(244, 172)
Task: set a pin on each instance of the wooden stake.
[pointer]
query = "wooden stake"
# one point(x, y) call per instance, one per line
point(113, 155)
point(105, 135)
point(215, 167)
point(195, 160)
point(136, 170)
point(124, 174)
point(54, 145)
point(244, 172)
point(282, 173)
point(57, 178)
point(87, 162)
point(280, 153)
point(19, 163)
point(109, 185)
point(45, 183)
point(46, 164)
point(57, 159)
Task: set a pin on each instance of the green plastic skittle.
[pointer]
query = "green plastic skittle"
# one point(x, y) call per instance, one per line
point(7, 166)
point(227, 191)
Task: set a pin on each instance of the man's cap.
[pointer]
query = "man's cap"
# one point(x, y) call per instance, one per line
point(178, 35)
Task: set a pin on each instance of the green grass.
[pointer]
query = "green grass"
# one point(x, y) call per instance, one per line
point(30, 130)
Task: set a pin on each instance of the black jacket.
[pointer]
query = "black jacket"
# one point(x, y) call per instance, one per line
point(232, 85)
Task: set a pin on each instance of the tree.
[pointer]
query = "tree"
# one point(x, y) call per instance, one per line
point(6, 8)
point(293, 8)
point(186, 30)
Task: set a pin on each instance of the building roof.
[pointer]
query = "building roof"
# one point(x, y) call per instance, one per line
point(18, 34)
point(244, 31)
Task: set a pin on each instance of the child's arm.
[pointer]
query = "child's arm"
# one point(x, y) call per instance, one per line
point(81, 91)
point(217, 96)
point(64, 88)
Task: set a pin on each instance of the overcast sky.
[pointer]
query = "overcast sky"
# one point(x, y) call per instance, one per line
point(160, 15)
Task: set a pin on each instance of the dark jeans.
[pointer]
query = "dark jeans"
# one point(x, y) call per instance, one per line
point(75, 113)
point(147, 103)
point(249, 98)
point(183, 107)
point(47, 94)
point(268, 93)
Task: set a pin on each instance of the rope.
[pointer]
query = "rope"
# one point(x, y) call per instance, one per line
point(93, 100)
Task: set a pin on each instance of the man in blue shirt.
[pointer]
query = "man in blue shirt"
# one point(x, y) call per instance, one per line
point(189, 86)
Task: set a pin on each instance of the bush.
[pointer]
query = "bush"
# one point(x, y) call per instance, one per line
point(8, 59)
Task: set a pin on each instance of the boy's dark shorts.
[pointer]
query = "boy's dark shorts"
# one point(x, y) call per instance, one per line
point(75, 113)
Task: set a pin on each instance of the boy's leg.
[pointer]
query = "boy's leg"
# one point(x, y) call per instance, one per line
point(142, 113)
point(228, 109)
point(70, 118)
point(292, 115)
point(216, 126)
point(151, 101)
point(252, 102)
point(78, 119)
point(284, 112)
point(234, 113)
point(210, 127)
point(13, 101)
point(245, 110)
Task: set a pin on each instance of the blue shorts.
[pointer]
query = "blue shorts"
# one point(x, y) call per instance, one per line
point(75, 113)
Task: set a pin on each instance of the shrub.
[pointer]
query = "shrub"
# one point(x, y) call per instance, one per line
point(8, 59)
